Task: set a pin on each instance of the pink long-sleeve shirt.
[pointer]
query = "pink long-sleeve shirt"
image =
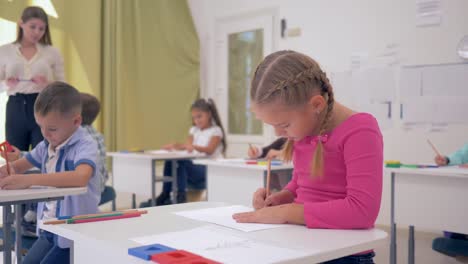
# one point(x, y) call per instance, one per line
point(348, 194)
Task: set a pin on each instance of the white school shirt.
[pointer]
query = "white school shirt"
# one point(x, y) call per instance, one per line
point(202, 138)
point(47, 62)
point(51, 164)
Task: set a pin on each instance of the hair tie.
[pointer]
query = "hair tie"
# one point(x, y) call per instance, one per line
point(320, 138)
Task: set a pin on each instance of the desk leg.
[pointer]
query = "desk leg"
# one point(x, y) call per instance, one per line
point(18, 246)
point(174, 181)
point(411, 245)
point(7, 221)
point(393, 249)
point(153, 183)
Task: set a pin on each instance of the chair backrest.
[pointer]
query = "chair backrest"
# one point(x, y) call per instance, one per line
point(107, 195)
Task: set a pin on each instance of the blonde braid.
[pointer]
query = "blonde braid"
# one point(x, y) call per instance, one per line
point(317, 164)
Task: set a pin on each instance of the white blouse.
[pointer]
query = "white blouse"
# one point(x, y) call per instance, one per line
point(47, 62)
point(202, 138)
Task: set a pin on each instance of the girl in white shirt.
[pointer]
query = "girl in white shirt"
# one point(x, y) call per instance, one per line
point(27, 66)
point(206, 136)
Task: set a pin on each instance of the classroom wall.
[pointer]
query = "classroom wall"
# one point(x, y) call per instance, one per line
point(333, 30)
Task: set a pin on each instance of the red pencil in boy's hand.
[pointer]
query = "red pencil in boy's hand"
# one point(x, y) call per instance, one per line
point(5, 147)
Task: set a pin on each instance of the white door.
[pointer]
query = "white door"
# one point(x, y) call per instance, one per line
point(240, 44)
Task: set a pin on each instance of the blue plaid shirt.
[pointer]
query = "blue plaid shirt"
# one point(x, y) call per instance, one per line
point(101, 170)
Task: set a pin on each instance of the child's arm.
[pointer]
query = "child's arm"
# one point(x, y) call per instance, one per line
point(275, 145)
point(212, 145)
point(19, 166)
point(77, 178)
point(459, 157)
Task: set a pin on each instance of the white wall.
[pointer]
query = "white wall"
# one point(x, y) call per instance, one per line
point(332, 30)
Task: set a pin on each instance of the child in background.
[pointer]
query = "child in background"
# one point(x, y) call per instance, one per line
point(337, 153)
point(206, 136)
point(90, 110)
point(67, 158)
point(460, 157)
point(271, 151)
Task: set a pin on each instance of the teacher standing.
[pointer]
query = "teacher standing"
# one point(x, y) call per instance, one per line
point(27, 66)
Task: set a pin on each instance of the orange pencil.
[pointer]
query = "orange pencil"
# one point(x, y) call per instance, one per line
point(434, 148)
point(5, 147)
point(268, 178)
point(250, 146)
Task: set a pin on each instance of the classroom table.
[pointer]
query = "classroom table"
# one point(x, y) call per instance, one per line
point(108, 242)
point(234, 181)
point(438, 202)
point(134, 172)
point(19, 197)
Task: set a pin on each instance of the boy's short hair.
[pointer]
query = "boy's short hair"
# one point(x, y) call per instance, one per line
point(58, 97)
point(90, 108)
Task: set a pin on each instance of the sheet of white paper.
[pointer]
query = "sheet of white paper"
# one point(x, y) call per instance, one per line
point(242, 161)
point(223, 216)
point(176, 152)
point(428, 13)
point(157, 151)
point(221, 246)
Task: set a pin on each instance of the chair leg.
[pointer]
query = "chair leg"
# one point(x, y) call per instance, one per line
point(133, 201)
point(114, 206)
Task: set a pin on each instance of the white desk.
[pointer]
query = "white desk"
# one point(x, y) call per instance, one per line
point(438, 202)
point(18, 198)
point(108, 242)
point(235, 182)
point(134, 172)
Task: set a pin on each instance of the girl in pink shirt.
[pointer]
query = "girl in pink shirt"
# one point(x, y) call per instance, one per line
point(337, 153)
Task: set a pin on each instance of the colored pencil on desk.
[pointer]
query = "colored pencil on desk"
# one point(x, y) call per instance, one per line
point(89, 220)
point(268, 178)
point(102, 217)
point(99, 214)
point(434, 148)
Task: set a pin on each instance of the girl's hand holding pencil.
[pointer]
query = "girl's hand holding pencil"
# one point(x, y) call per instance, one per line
point(253, 152)
point(260, 200)
point(440, 160)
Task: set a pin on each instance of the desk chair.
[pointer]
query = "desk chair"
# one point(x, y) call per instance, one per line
point(452, 244)
point(108, 195)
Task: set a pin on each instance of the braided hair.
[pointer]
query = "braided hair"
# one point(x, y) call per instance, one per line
point(293, 78)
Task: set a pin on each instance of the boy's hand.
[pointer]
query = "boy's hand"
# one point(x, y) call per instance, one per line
point(13, 155)
point(4, 171)
point(14, 182)
point(440, 160)
point(253, 152)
